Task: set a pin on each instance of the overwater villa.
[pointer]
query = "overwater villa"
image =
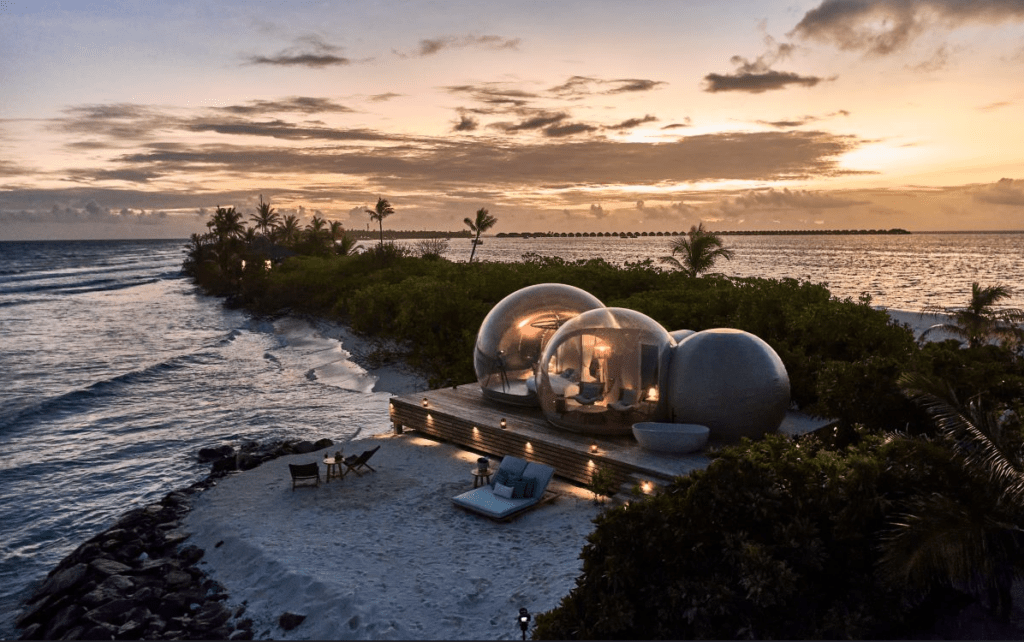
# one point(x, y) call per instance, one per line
point(564, 381)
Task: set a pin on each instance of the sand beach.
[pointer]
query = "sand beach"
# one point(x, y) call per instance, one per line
point(386, 555)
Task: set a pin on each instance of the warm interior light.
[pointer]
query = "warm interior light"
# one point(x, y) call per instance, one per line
point(652, 394)
point(503, 423)
point(424, 402)
point(647, 487)
point(593, 448)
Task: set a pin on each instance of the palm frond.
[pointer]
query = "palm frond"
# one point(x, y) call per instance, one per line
point(975, 435)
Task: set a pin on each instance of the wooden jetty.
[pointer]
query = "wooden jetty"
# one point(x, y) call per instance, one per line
point(463, 416)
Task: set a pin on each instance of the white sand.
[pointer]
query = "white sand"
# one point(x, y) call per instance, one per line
point(386, 555)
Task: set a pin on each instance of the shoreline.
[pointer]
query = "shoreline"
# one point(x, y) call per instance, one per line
point(421, 490)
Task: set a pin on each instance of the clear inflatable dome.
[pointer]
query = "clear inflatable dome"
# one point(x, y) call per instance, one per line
point(514, 334)
point(604, 371)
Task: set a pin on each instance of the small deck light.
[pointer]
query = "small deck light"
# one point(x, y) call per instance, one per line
point(504, 424)
point(593, 448)
point(424, 404)
point(524, 620)
point(647, 487)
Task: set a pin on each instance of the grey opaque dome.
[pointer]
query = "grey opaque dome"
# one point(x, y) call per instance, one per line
point(514, 334)
point(604, 371)
point(728, 380)
point(679, 335)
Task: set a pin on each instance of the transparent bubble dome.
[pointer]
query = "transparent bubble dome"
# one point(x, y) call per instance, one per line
point(604, 371)
point(514, 334)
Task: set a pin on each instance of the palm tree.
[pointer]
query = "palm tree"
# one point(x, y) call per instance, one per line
point(979, 321)
point(972, 541)
point(289, 229)
point(226, 224)
point(379, 213)
point(266, 218)
point(699, 249)
point(481, 224)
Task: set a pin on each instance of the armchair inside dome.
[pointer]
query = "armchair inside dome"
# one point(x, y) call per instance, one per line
point(514, 334)
point(604, 371)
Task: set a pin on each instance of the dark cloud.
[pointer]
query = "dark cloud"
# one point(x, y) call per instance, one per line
point(123, 121)
point(633, 122)
point(490, 164)
point(432, 46)
point(312, 51)
point(131, 175)
point(884, 26)
point(284, 130)
point(569, 129)
point(295, 104)
point(633, 84)
point(756, 83)
point(685, 123)
point(379, 98)
point(1006, 191)
point(787, 124)
point(494, 94)
point(757, 76)
point(579, 86)
point(466, 124)
point(539, 120)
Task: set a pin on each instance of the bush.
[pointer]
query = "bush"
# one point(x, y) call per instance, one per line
point(776, 539)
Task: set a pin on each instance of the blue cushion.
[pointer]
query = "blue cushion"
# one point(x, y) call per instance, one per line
point(518, 488)
point(503, 477)
point(530, 487)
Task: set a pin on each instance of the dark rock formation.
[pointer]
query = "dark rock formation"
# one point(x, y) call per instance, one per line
point(136, 580)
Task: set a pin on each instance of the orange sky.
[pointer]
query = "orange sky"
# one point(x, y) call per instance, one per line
point(124, 120)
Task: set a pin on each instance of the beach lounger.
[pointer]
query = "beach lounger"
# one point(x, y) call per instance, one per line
point(305, 472)
point(518, 472)
point(354, 463)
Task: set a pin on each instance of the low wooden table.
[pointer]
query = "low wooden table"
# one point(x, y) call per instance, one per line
point(334, 468)
point(481, 477)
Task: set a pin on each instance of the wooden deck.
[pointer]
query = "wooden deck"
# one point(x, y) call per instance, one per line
point(463, 416)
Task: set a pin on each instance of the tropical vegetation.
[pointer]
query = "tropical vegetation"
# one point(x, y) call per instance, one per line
point(698, 251)
point(981, 321)
point(483, 222)
point(907, 510)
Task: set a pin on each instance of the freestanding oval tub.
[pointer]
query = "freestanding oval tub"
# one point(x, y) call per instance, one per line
point(673, 439)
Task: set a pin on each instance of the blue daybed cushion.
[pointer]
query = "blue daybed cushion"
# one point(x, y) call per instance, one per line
point(483, 500)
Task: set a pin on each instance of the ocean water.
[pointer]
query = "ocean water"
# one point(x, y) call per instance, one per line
point(114, 370)
point(905, 272)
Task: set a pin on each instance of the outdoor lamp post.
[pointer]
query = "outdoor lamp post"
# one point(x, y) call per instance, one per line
point(524, 620)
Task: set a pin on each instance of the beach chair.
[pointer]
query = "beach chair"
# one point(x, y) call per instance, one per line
point(304, 473)
point(354, 463)
point(590, 392)
point(626, 400)
point(529, 488)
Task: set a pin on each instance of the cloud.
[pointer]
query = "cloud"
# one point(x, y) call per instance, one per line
point(295, 104)
point(633, 84)
point(493, 94)
point(569, 129)
point(466, 124)
point(284, 130)
point(1006, 191)
point(685, 123)
point(433, 46)
point(379, 98)
point(790, 199)
point(312, 52)
point(789, 123)
point(757, 76)
point(597, 211)
point(633, 122)
point(580, 86)
point(538, 121)
point(756, 83)
point(123, 121)
point(882, 27)
point(996, 105)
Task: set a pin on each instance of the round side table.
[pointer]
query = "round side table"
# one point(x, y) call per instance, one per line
point(481, 477)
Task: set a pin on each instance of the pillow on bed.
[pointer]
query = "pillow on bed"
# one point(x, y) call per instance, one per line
point(502, 477)
point(518, 488)
point(530, 487)
point(501, 490)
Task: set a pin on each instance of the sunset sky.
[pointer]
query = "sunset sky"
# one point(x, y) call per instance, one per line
point(137, 119)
